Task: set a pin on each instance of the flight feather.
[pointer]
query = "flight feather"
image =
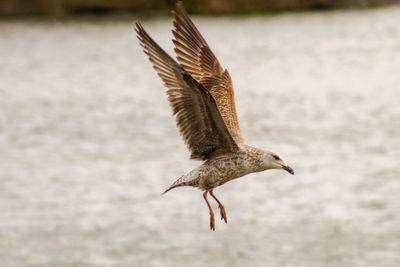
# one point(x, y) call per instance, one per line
point(197, 115)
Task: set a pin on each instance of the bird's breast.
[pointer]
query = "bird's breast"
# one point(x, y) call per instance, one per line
point(222, 170)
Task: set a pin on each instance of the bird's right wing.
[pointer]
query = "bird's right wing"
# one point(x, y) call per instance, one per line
point(197, 116)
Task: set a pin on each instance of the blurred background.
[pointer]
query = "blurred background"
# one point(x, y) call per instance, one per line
point(62, 8)
point(88, 141)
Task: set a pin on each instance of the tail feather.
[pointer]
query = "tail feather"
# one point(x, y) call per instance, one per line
point(182, 181)
point(170, 188)
point(189, 179)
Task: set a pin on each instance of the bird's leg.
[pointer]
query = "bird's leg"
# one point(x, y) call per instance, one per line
point(212, 223)
point(221, 207)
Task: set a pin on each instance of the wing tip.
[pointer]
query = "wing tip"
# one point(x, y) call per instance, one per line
point(180, 10)
point(140, 32)
point(179, 5)
point(138, 26)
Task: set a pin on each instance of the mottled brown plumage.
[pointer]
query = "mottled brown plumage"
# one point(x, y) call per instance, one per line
point(201, 96)
point(196, 57)
point(197, 116)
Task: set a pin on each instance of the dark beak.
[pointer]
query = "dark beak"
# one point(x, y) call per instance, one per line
point(288, 169)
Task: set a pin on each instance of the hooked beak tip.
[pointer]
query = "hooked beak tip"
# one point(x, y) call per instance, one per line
point(288, 169)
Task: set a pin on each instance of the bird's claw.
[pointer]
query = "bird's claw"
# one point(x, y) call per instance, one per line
point(223, 213)
point(212, 222)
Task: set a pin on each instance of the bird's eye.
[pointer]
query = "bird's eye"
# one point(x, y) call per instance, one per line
point(276, 157)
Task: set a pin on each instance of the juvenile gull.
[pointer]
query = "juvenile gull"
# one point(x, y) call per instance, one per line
point(201, 95)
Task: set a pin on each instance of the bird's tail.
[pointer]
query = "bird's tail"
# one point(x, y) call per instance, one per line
point(170, 188)
point(184, 180)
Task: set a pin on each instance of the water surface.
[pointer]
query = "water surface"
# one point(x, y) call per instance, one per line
point(88, 144)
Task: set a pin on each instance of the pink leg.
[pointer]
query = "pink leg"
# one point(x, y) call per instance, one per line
point(212, 222)
point(221, 207)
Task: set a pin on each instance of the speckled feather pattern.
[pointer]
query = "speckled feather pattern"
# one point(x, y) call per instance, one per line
point(196, 57)
point(217, 171)
point(201, 95)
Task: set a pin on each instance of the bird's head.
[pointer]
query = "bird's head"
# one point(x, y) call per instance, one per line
point(272, 160)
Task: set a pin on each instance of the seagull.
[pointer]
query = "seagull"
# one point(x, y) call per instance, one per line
point(201, 95)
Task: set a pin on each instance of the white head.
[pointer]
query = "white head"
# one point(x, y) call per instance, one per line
point(272, 160)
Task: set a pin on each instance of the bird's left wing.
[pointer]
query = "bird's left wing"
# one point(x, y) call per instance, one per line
point(197, 116)
point(196, 57)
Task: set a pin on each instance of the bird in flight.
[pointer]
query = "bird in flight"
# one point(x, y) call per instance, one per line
point(201, 95)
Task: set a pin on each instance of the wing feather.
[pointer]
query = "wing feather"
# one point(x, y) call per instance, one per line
point(196, 57)
point(197, 116)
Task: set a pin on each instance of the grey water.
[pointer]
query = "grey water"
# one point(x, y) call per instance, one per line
point(88, 143)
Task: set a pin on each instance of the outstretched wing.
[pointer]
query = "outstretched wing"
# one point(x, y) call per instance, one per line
point(197, 116)
point(196, 57)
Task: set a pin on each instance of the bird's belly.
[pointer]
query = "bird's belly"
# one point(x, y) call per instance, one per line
point(230, 174)
point(219, 174)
